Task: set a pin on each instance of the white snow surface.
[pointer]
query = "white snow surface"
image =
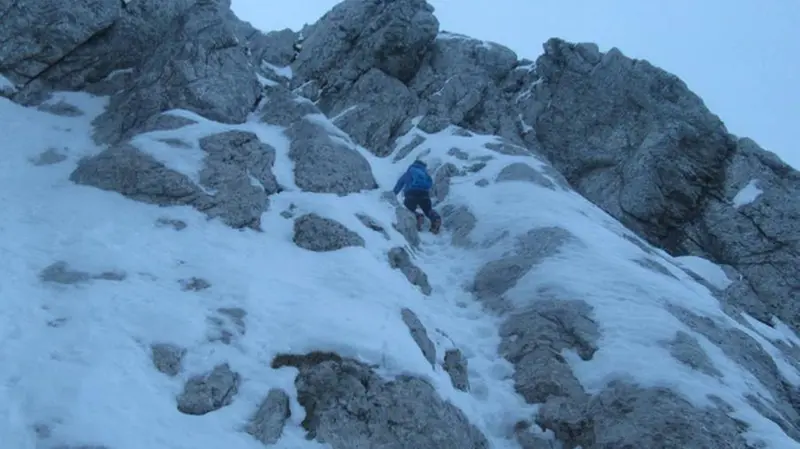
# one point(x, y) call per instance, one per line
point(706, 269)
point(6, 84)
point(284, 71)
point(76, 358)
point(748, 194)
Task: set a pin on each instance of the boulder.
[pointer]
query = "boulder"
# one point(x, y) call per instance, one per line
point(348, 405)
point(320, 234)
point(208, 392)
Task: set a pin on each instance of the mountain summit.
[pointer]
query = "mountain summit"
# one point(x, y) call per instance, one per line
point(199, 251)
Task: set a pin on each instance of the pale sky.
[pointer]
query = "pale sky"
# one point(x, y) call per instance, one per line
point(741, 56)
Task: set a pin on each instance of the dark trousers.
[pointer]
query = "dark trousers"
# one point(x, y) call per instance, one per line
point(420, 199)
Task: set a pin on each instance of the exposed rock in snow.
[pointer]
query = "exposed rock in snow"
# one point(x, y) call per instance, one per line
point(320, 234)
point(420, 335)
point(456, 366)
point(60, 272)
point(401, 260)
point(621, 416)
point(687, 350)
point(348, 405)
point(324, 163)
point(441, 181)
point(371, 223)
point(48, 157)
point(498, 276)
point(167, 358)
point(406, 224)
point(267, 424)
point(209, 392)
point(533, 340)
point(520, 171)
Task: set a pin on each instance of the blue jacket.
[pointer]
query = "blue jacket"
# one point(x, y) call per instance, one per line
point(415, 178)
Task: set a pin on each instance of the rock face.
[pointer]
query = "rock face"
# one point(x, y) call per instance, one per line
point(362, 54)
point(200, 66)
point(637, 142)
point(349, 406)
point(460, 80)
point(28, 54)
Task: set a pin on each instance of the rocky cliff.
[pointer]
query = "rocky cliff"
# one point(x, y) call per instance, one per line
point(293, 127)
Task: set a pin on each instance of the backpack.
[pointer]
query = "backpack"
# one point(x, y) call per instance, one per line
point(420, 179)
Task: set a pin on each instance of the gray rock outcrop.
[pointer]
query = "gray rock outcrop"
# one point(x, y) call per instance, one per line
point(348, 405)
point(667, 168)
point(235, 181)
point(401, 260)
point(267, 423)
point(320, 234)
point(209, 392)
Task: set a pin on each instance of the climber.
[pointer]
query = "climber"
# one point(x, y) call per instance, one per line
point(416, 185)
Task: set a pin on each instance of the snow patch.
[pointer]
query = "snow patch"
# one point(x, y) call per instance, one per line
point(747, 195)
point(6, 85)
point(283, 72)
point(711, 272)
point(265, 81)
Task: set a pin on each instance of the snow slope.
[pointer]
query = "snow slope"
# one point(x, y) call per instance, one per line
point(76, 363)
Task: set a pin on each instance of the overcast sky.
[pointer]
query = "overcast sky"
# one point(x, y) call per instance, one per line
point(741, 56)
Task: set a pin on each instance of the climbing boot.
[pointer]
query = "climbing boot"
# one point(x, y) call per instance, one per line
point(435, 225)
point(420, 221)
